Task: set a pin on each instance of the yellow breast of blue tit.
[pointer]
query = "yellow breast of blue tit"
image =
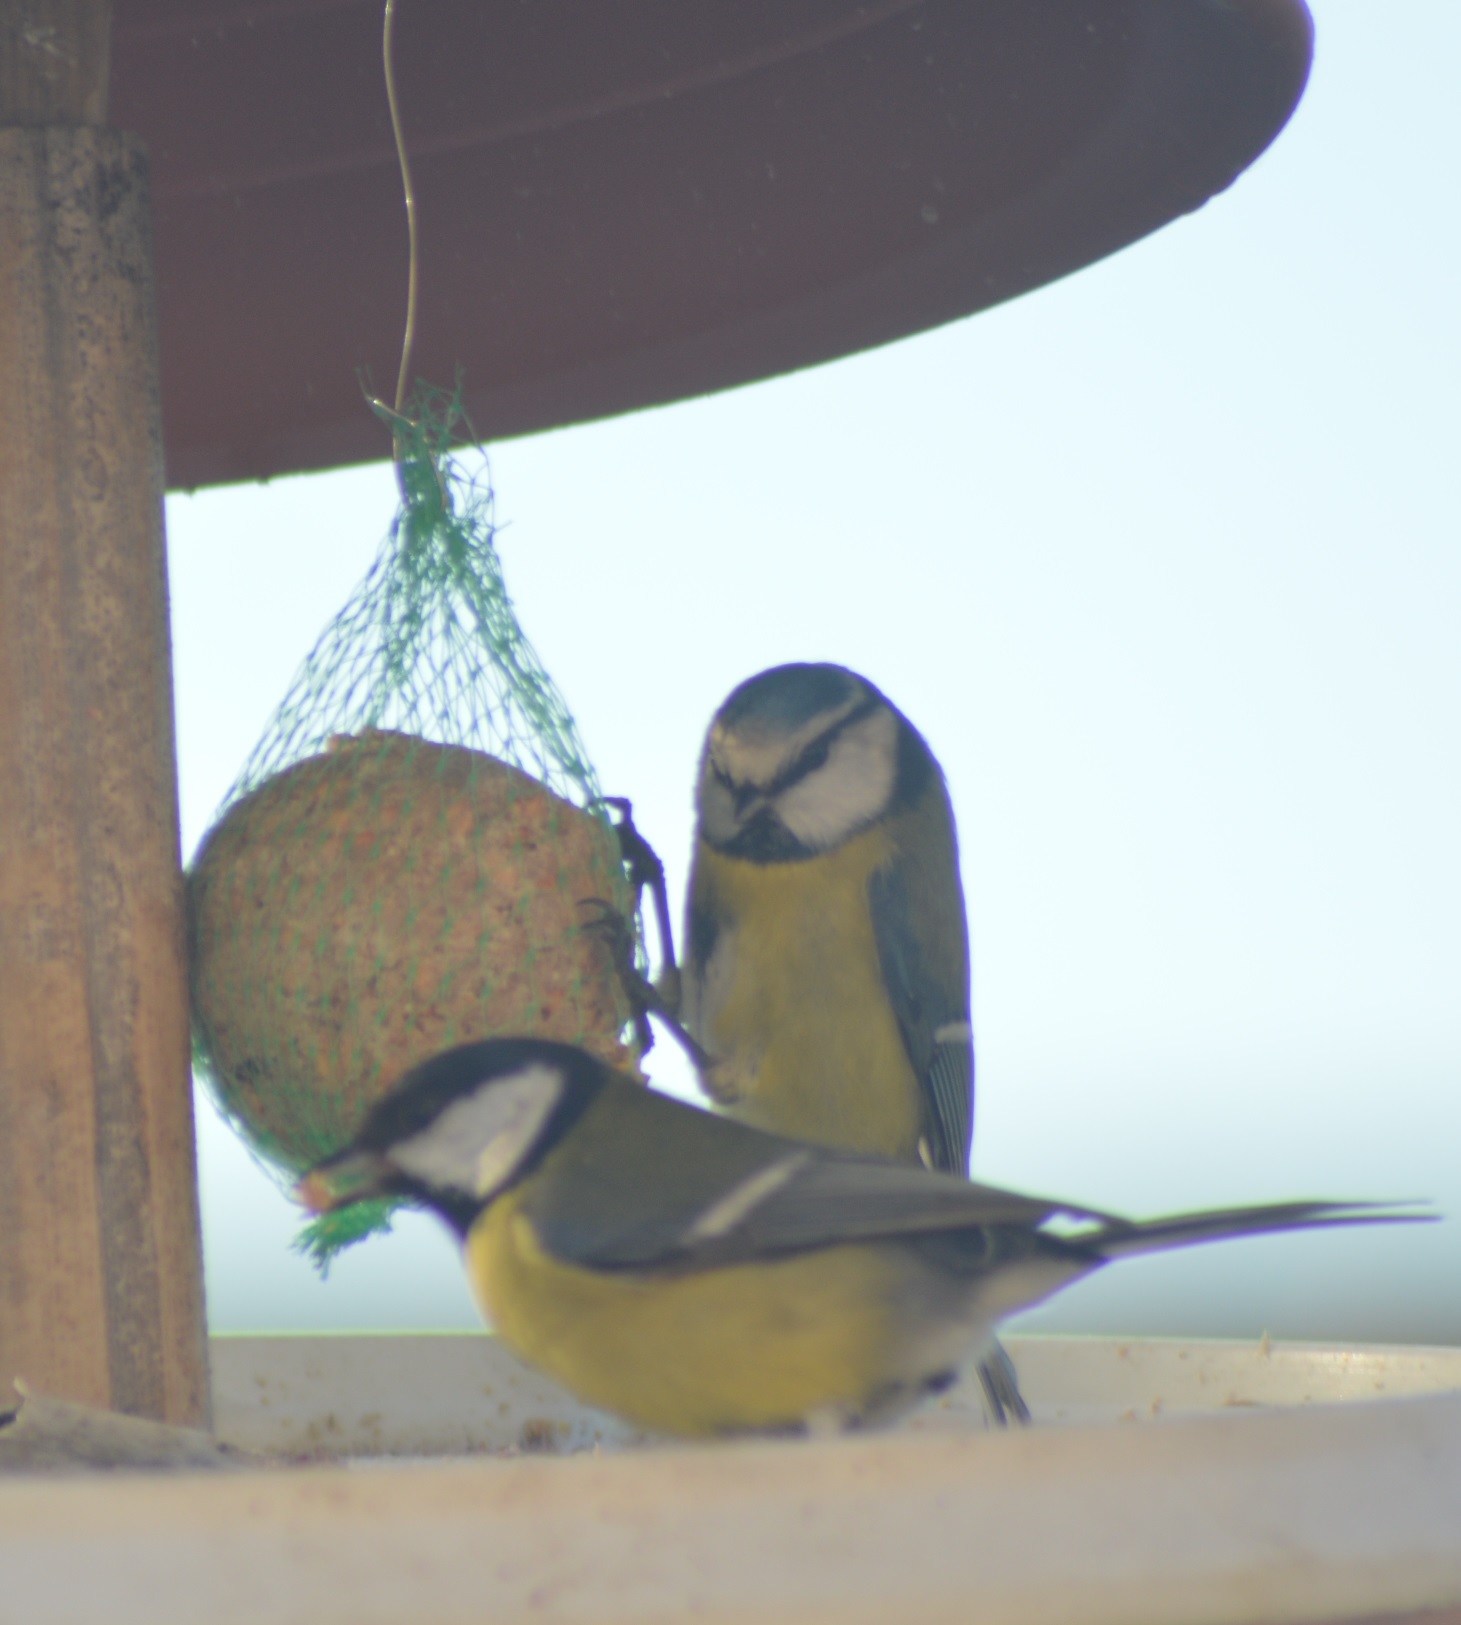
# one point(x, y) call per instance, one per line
point(827, 962)
point(791, 996)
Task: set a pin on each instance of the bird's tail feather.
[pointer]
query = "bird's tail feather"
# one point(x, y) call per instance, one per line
point(1120, 1240)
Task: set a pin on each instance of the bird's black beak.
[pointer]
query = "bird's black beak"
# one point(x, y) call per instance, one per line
point(747, 800)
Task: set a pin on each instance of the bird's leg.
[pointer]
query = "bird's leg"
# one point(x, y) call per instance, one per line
point(614, 931)
point(645, 999)
point(645, 869)
point(1001, 1388)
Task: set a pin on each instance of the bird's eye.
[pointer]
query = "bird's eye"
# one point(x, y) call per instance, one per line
point(721, 777)
point(815, 756)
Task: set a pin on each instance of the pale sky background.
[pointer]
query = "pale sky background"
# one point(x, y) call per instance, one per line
point(1164, 560)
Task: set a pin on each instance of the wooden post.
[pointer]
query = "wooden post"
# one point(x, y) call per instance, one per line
point(101, 1294)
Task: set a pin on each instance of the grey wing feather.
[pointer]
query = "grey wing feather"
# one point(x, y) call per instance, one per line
point(949, 1082)
point(833, 1200)
point(658, 1186)
point(631, 1184)
point(738, 1195)
point(918, 925)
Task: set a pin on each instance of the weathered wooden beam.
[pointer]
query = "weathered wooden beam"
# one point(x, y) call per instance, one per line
point(100, 1268)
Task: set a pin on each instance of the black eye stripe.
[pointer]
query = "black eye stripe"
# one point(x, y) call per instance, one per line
point(816, 756)
point(816, 753)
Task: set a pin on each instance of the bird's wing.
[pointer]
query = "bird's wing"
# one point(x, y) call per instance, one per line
point(822, 1201)
point(700, 1190)
point(948, 1083)
point(917, 910)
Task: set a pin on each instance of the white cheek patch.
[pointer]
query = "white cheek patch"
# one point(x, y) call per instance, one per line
point(853, 786)
point(476, 1144)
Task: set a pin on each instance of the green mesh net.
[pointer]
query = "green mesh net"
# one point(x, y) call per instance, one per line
point(429, 643)
point(412, 857)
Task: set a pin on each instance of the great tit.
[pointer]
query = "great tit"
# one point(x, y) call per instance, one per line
point(698, 1276)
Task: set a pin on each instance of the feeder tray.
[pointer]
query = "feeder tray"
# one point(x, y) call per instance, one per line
point(1200, 1484)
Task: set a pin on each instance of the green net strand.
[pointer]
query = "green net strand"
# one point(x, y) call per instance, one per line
point(429, 644)
point(427, 649)
point(324, 1237)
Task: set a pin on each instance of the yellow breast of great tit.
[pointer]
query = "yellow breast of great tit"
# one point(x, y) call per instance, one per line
point(792, 1003)
point(752, 1346)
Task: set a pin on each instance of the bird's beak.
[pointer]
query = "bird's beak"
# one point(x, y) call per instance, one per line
point(748, 801)
point(354, 1176)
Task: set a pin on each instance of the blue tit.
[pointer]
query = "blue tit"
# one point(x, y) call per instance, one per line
point(697, 1276)
point(826, 981)
point(826, 971)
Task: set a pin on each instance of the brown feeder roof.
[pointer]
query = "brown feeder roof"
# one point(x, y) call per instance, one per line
point(624, 204)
